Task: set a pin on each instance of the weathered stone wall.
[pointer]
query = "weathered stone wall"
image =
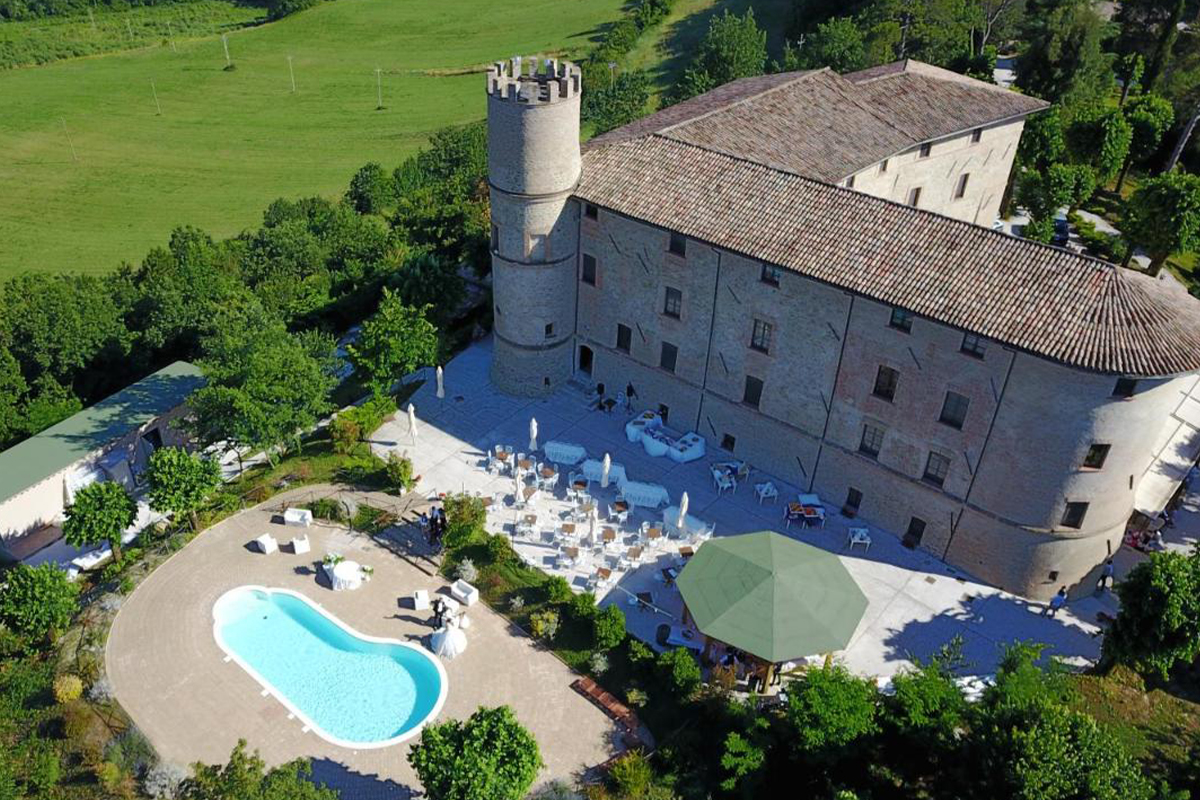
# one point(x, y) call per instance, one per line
point(988, 162)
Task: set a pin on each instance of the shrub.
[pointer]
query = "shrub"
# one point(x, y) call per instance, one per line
point(636, 697)
point(345, 432)
point(466, 571)
point(639, 652)
point(499, 549)
point(328, 508)
point(680, 670)
point(131, 752)
point(609, 627)
point(830, 709)
point(516, 603)
point(466, 516)
point(163, 780)
point(67, 688)
point(557, 590)
point(400, 472)
point(1158, 627)
point(44, 767)
point(582, 605)
point(109, 775)
point(37, 602)
point(598, 663)
point(489, 756)
point(544, 624)
point(101, 691)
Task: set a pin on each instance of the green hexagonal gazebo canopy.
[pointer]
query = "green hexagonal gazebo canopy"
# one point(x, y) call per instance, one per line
point(771, 596)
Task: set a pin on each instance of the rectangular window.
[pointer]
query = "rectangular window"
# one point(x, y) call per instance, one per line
point(678, 245)
point(936, 469)
point(912, 536)
point(728, 441)
point(926, 149)
point(495, 239)
point(850, 182)
point(883, 165)
point(624, 338)
point(872, 440)
point(853, 501)
point(770, 275)
point(901, 320)
point(1073, 515)
point(1096, 456)
point(973, 345)
point(1126, 387)
point(976, 135)
point(960, 190)
point(664, 411)
point(914, 196)
point(752, 395)
point(760, 337)
point(589, 270)
point(668, 357)
point(549, 330)
point(673, 305)
point(885, 383)
point(954, 410)
point(590, 211)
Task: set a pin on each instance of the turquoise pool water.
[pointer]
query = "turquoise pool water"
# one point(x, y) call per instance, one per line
point(358, 691)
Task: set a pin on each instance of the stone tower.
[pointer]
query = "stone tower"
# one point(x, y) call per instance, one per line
point(533, 167)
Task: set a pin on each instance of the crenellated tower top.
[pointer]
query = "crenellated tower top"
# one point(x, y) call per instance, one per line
point(528, 81)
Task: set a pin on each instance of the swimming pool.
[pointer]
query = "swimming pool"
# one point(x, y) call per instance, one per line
point(352, 690)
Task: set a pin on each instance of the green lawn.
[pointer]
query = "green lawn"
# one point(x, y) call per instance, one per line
point(666, 50)
point(227, 143)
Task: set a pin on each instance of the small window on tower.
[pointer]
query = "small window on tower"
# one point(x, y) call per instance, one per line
point(960, 190)
point(588, 275)
point(976, 135)
point(678, 245)
point(914, 196)
point(549, 330)
point(728, 442)
point(926, 149)
point(850, 182)
point(590, 211)
point(495, 240)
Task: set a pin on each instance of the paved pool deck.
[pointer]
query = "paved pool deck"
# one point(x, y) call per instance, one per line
point(916, 602)
point(175, 682)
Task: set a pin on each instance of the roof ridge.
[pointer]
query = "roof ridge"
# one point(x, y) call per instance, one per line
point(799, 76)
point(1019, 240)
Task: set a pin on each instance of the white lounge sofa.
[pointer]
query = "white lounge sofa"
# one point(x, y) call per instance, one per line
point(301, 517)
point(464, 593)
point(267, 544)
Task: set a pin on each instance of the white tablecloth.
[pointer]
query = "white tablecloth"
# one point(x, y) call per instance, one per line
point(689, 448)
point(346, 575)
point(635, 426)
point(656, 445)
point(564, 452)
point(651, 495)
point(592, 469)
point(691, 524)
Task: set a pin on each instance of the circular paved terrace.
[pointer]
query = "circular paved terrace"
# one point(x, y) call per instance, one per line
point(193, 705)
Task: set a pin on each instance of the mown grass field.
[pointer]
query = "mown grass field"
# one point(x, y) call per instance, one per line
point(228, 142)
point(41, 41)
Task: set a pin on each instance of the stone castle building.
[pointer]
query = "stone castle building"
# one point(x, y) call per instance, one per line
point(800, 267)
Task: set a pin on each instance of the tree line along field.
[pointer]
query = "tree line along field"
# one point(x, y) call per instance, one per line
point(105, 30)
point(93, 175)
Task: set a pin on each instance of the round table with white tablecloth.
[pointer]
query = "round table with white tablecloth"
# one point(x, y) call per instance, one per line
point(346, 575)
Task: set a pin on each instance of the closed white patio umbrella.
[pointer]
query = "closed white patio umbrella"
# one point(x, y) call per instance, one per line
point(441, 385)
point(412, 422)
point(532, 434)
point(448, 642)
point(605, 468)
point(683, 505)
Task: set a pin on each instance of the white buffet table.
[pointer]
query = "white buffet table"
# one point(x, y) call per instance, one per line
point(642, 422)
point(564, 452)
point(592, 469)
point(650, 495)
point(345, 575)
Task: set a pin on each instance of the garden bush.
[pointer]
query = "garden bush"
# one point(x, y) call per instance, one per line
point(499, 549)
point(164, 780)
point(345, 432)
point(544, 624)
point(328, 508)
point(598, 663)
point(466, 516)
point(609, 627)
point(680, 670)
point(400, 472)
point(67, 688)
point(466, 571)
point(583, 606)
point(131, 752)
point(557, 590)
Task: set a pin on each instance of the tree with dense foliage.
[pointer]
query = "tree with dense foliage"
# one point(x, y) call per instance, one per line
point(427, 281)
point(1064, 61)
point(1150, 116)
point(617, 101)
point(680, 669)
point(466, 517)
point(1043, 193)
point(181, 481)
point(829, 710)
point(1158, 626)
point(37, 602)
point(371, 189)
point(396, 340)
point(734, 47)
point(100, 513)
point(264, 387)
point(246, 777)
point(1149, 29)
point(1129, 69)
point(837, 43)
point(608, 624)
point(1099, 136)
point(1043, 141)
point(1163, 217)
point(490, 756)
point(13, 391)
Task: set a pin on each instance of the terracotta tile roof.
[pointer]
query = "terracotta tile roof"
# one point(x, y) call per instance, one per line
point(1047, 301)
point(828, 126)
